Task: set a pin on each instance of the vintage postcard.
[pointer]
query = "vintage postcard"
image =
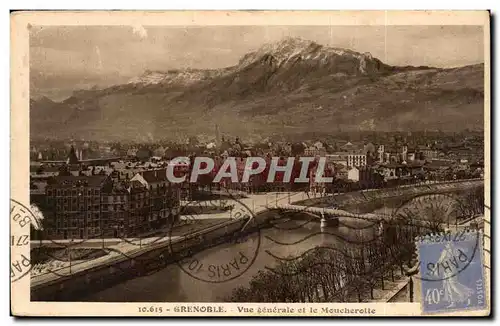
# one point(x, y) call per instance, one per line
point(272, 163)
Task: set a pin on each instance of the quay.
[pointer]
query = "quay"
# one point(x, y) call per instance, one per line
point(130, 258)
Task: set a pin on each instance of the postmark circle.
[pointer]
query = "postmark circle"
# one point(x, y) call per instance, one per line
point(342, 233)
point(233, 237)
point(435, 214)
point(379, 222)
point(458, 258)
point(21, 220)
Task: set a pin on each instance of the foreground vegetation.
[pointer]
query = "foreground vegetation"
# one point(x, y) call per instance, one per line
point(351, 272)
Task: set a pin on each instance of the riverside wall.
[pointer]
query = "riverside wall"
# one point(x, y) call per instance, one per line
point(142, 262)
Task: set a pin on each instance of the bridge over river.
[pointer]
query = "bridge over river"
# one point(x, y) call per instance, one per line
point(330, 216)
point(95, 275)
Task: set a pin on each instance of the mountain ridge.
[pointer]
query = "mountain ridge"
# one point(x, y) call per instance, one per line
point(283, 87)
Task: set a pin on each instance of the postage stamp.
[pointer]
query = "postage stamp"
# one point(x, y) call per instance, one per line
point(338, 236)
point(452, 272)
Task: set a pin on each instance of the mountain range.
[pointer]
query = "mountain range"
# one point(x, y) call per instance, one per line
point(290, 87)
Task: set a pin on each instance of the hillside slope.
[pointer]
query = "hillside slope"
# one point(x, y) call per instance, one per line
point(289, 87)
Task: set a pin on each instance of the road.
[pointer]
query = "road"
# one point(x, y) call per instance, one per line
point(121, 249)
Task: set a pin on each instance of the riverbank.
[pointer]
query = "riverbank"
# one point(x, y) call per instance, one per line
point(95, 275)
point(366, 201)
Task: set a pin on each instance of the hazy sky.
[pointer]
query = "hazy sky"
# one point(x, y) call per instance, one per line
point(64, 58)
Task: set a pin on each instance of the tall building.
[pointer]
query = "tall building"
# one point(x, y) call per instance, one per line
point(404, 153)
point(356, 160)
point(164, 197)
point(74, 206)
point(126, 209)
point(115, 212)
point(96, 206)
point(380, 151)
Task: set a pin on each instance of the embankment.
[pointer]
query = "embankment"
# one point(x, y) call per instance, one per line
point(369, 200)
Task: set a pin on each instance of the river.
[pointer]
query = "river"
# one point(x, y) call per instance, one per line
point(173, 284)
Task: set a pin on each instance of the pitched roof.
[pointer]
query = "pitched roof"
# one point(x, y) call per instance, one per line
point(72, 158)
point(400, 165)
point(92, 181)
point(44, 169)
point(131, 152)
point(153, 176)
point(439, 163)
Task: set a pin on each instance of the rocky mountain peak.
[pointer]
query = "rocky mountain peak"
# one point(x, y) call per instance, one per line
point(291, 51)
point(292, 86)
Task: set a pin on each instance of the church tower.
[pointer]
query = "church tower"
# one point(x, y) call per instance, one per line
point(404, 153)
point(72, 158)
point(217, 135)
point(380, 151)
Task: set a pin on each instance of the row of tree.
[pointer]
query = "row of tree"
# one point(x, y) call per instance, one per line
point(351, 272)
point(348, 272)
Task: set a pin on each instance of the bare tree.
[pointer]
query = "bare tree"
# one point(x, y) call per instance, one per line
point(471, 204)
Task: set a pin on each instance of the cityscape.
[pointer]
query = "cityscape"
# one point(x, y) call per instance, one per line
point(401, 147)
point(125, 190)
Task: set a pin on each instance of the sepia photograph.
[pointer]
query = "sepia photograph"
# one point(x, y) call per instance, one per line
point(222, 165)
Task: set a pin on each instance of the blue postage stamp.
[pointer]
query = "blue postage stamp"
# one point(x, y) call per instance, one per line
point(452, 272)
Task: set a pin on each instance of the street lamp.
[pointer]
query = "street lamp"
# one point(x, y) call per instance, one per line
point(410, 272)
